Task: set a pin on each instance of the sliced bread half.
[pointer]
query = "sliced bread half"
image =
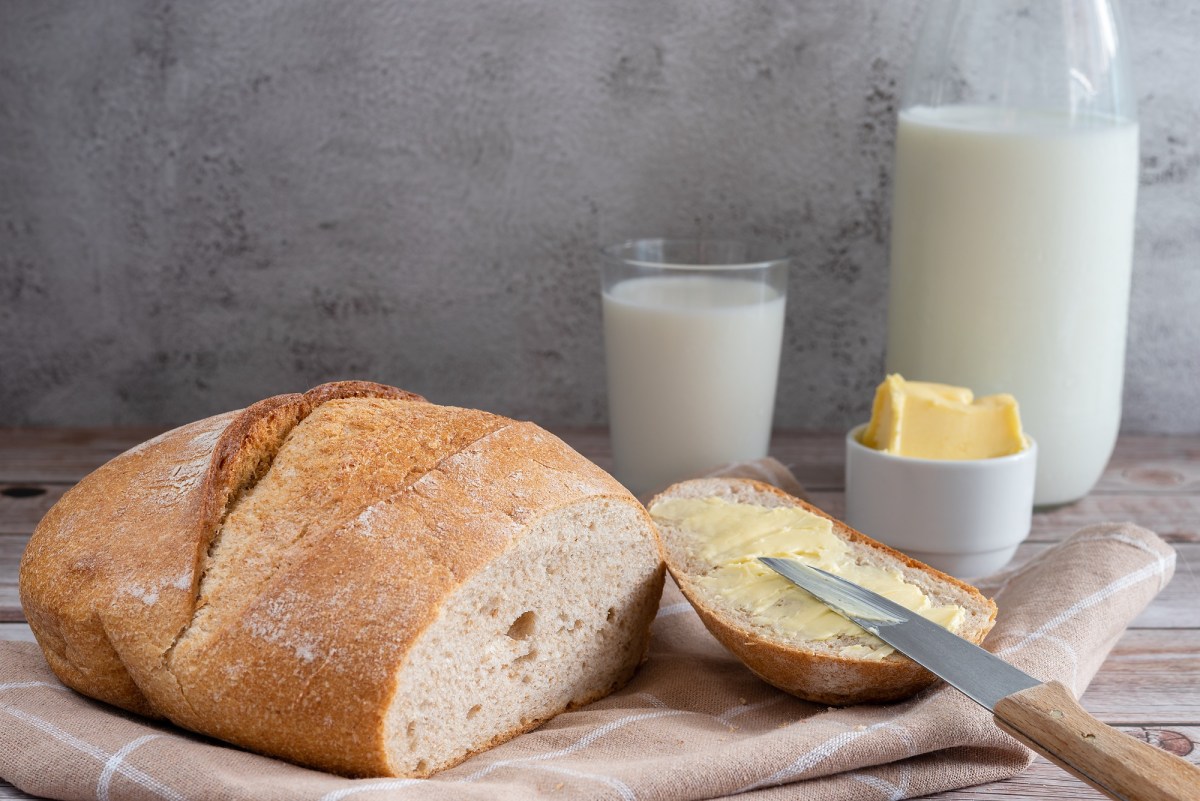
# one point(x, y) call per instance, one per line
point(350, 578)
point(780, 632)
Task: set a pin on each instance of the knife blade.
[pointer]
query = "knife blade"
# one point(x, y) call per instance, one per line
point(1043, 715)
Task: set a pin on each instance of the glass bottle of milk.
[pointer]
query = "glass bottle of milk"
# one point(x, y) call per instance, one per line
point(1012, 220)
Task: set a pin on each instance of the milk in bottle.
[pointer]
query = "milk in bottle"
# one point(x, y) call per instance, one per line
point(1012, 241)
point(1012, 220)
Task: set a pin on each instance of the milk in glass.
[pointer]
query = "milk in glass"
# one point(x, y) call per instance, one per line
point(692, 365)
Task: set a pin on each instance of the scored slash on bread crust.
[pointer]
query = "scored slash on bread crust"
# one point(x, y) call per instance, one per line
point(272, 576)
point(813, 670)
point(105, 630)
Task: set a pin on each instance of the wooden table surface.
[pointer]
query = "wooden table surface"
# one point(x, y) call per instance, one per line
point(1149, 686)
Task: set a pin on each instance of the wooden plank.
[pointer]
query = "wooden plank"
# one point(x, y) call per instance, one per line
point(1175, 518)
point(1151, 476)
point(11, 548)
point(1149, 679)
point(817, 460)
point(15, 631)
point(1142, 447)
point(1043, 779)
point(63, 454)
point(7, 791)
point(1153, 464)
point(22, 505)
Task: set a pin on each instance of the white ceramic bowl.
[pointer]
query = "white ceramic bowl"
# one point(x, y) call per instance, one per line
point(964, 517)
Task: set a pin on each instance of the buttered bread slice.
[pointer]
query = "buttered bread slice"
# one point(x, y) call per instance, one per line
point(711, 533)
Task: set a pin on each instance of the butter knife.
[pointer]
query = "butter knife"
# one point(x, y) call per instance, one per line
point(1042, 715)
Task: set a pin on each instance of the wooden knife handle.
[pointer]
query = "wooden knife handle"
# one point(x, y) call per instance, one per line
point(1047, 719)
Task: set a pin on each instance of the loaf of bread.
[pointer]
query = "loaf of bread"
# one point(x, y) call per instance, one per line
point(757, 620)
point(352, 579)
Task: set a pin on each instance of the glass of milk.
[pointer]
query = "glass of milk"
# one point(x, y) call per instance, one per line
point(692, 334)
point(1012, 220)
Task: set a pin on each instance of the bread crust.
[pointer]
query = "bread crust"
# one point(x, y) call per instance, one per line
point(150, 512)
point(808, 674)
point(111, 579)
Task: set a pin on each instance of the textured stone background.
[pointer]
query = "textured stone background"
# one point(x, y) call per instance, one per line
point(205, 203)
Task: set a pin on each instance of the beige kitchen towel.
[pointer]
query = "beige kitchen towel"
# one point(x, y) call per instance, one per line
point(694, 723)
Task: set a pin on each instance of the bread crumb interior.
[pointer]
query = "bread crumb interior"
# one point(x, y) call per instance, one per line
point(519, 642)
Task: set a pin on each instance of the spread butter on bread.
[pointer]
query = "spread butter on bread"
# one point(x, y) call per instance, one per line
point(350, 578)
point(711, 532)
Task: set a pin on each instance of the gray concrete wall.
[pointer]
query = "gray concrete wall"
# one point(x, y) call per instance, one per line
point(205, 203)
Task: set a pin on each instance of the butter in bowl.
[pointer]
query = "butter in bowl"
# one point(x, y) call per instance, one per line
point(942, 476)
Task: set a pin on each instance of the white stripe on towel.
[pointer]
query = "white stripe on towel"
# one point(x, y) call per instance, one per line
point(133, 774)
point(114, 762)
point(1156, 568)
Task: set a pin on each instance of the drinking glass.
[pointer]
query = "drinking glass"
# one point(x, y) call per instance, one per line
point(692, 336)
